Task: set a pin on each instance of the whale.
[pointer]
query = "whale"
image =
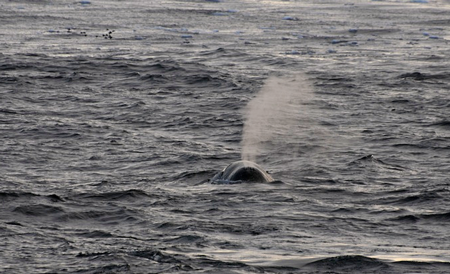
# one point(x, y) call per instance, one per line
point(242, 172)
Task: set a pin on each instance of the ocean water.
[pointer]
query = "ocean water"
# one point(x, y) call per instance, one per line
point(114, 115)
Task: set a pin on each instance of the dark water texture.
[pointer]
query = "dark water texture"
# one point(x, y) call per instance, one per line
point(113, 116)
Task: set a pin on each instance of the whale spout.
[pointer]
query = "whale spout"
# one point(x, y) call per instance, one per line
point(242, 172)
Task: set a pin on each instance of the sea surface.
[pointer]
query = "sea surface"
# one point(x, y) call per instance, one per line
point(114, 115)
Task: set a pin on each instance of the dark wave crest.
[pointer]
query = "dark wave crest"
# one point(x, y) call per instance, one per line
point(38, 210)
point(350, 264)
point(125, 195)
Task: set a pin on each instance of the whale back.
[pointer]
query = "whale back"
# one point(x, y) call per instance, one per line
point(243, 171)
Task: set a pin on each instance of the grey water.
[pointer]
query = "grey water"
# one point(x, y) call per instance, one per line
point(114, 115)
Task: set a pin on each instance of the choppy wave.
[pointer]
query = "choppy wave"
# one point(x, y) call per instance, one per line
point(110, 129)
